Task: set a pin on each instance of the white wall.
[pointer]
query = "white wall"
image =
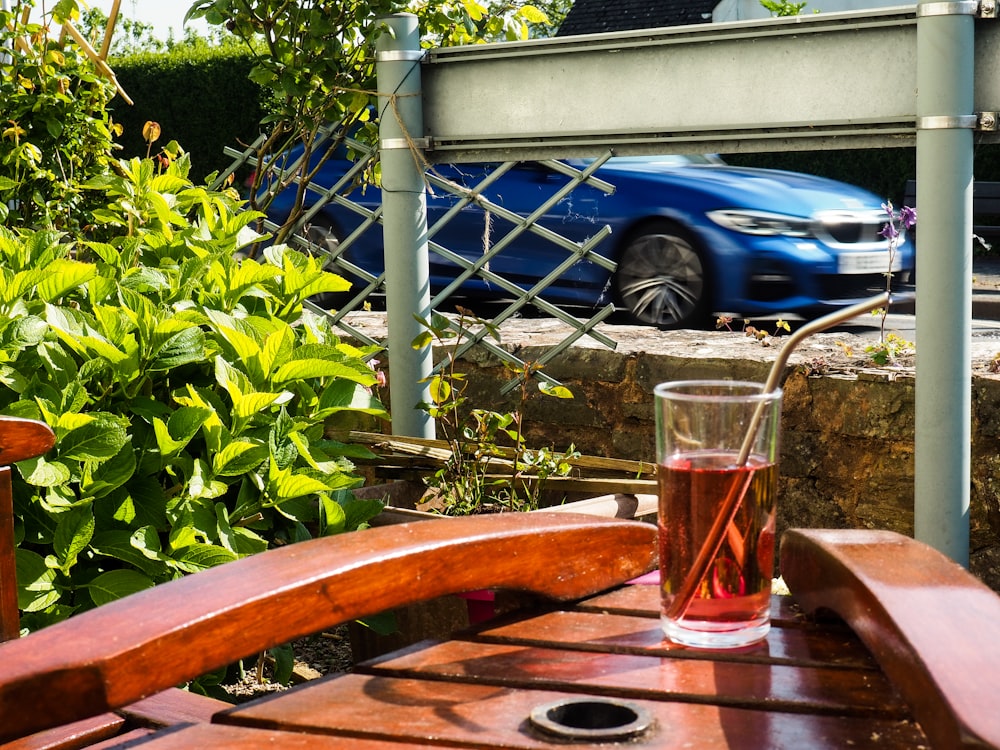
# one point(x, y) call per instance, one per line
point(741, 10)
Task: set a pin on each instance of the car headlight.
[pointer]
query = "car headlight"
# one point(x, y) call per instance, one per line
point(762, 222)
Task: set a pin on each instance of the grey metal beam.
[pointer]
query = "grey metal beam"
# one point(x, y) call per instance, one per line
point(829, 80)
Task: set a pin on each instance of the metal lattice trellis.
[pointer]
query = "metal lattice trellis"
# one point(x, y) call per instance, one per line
point(516, 297)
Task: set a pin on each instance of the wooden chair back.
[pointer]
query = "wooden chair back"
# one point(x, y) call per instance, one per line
point(932, 627)
point(20, 439)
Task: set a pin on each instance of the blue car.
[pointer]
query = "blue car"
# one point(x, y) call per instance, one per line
point(692, 237)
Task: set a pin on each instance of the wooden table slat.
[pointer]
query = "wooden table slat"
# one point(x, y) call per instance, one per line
point(222, 737)
point(172, 707)
point(606, 632)
point(478, 715)
point(76, 735)
point(770, 687)
point(644, 601)
point(124, 740)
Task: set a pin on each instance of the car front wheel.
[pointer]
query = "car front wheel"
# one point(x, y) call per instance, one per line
point(661, 278)
point(323, 241)
point(321, 236)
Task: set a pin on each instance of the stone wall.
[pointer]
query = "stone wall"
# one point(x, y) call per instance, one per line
point(847, 456)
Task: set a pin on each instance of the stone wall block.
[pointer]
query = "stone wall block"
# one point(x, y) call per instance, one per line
point(986, 407)
point(654, 369)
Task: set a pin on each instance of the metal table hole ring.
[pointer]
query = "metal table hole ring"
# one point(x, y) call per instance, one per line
point(591, 719)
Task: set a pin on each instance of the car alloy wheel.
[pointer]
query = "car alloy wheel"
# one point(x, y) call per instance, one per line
point(661, 278)
point(322, 237)
point(323, 243)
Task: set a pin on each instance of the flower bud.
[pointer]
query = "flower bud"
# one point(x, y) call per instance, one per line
point(151, 131)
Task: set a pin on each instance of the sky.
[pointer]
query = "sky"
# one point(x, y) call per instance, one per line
point(162, 15)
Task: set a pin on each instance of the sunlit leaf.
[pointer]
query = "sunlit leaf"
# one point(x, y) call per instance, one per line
point(291, 486)
point(345, 395)
point(116, 584)
point(63, 276)
point(558, 391)
point(42, 473)
point(320, 368)
point(109, 475)
point(182, 348)
point(120, 545)
point(201, 557)
point(36, 589)
point(246, 406)
point(334, 518)
point(73, 533)
point(533, 14)
point(440, 390)
point(238, 457)
point(99, 438)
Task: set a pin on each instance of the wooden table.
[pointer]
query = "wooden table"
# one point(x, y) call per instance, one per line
point(811, 684)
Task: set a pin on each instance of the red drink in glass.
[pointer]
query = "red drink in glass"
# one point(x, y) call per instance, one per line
point(731, 604)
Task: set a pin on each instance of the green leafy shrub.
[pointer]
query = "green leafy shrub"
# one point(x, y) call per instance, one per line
point(55, 131)
point(489, 467)
point(188, 391)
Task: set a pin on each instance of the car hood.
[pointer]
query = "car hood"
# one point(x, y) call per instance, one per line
point(745, 187)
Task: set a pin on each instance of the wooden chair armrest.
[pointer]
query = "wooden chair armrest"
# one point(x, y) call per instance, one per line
point(121, 652)
point(933, 627)
point(23, 438)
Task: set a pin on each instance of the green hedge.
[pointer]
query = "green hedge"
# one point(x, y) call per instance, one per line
point(201, 96)
point(884, 171)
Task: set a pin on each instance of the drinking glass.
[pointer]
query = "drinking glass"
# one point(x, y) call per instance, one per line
point(717, 449)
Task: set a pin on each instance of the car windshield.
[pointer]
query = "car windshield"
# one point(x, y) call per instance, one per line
point(671, 160)
point(656, 161)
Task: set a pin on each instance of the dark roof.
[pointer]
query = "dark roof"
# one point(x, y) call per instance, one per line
point(595, 16)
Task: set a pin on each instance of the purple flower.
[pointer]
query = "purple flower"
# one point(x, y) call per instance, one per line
point(889, 231)
point(907, 218)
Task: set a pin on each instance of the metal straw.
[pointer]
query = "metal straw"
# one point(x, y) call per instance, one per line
point(731, 505)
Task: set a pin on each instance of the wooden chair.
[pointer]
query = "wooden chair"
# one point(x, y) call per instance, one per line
point(933, 628)
point(69, 673)
point(22, 439)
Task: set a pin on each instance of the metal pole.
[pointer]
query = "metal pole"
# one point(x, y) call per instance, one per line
point(404, 211)
point(945, 122)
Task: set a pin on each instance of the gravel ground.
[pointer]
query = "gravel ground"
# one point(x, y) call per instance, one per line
point(315, 656)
